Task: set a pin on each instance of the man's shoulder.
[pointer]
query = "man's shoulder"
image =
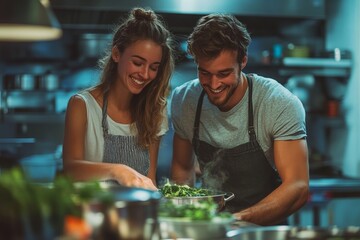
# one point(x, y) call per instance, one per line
point(265, 82)
point(270, 88)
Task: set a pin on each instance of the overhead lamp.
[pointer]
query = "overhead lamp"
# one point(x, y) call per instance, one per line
point(28, 20)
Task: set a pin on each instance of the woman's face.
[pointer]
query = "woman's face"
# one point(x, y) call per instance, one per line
point(138, 65)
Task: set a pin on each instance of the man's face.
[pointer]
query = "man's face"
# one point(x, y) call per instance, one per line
point(220, 77)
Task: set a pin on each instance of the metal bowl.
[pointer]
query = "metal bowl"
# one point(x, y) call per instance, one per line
point(175, 228)
point(220, 198)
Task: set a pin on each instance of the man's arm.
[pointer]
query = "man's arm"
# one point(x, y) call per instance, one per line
point(291, 160)
point(182, 169)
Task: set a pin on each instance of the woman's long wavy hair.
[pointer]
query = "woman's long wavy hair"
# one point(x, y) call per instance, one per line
point(217, 32)
point(148, 107)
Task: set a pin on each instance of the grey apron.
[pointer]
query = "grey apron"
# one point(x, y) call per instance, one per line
point(123, 149)
point(242, 170)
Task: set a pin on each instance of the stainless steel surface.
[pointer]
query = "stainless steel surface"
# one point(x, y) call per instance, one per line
point(285, 8)
point(295, 233)
point(17, 140)
point(49, 82)
point(182, 15)
point(220, 198)
point(93, 45)
point(28, 101)
point(335, 185)
point(25, 82)
point(316, 62)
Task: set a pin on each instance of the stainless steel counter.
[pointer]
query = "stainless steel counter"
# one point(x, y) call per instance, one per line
point(323, 190)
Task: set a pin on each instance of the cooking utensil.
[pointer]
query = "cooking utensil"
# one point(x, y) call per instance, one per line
point(220, 198)
point(49, 82)
point(132, 216)
point(24, 82)
point(39, 168)
point(174, 228)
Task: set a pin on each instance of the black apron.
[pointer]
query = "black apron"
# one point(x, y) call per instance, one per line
point(242, 170)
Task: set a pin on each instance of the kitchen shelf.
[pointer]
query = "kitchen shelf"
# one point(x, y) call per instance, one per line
point(34, 117)
point(318, 67)
point(316, 62)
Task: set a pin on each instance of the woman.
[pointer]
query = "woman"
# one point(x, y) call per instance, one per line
point(113, 130)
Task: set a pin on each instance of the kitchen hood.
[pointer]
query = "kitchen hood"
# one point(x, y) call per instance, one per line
point(97, 14)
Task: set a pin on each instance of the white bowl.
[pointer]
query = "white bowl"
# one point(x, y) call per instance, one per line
point(39, 168)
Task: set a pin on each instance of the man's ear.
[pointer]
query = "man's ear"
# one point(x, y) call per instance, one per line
point(244, 62)
point(115, 54)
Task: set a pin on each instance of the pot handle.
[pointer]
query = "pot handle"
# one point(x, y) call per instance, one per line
point(230, 196)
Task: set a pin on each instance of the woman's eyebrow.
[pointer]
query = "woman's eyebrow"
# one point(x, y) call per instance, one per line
point(137, 56)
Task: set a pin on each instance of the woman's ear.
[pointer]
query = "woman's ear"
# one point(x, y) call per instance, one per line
point(115, 54)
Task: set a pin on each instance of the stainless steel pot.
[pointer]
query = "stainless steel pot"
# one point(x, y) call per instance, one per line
point(24, 82)
point(220, 198)
point(49, 82)
point(133, 216)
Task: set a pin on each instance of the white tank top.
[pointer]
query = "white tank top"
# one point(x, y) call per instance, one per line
point(94, 139)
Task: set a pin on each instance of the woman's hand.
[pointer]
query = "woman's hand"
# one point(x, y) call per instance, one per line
point(128, 177)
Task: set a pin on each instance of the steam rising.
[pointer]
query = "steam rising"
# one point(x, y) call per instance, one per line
point(213, 175)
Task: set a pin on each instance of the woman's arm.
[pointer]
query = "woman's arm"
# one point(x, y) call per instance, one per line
point(80, 169)
point(154, 153)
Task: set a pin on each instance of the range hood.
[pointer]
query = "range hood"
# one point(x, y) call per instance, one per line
point(179, 13)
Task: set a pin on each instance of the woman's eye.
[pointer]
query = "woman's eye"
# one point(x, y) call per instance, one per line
point(154, 68)
point(137, 64)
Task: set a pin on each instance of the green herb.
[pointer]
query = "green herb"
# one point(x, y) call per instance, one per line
point(201, 210)
point(174, 190)
point(24, 203)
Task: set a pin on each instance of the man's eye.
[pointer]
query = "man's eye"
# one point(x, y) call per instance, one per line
point(223, 74)
point(204, 73)
point(137, 64)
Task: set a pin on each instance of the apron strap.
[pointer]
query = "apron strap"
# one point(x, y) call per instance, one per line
point(251, 129)
point(195, 140)
point(104, 124)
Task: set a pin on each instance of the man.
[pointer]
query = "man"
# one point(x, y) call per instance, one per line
point(247, 132)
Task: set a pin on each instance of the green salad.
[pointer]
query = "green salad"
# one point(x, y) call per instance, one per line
point(170, 190)
point(201, 210)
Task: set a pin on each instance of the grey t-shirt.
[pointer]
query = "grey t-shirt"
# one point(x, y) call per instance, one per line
point(278, 115)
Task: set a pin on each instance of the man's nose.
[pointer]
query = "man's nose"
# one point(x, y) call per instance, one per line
point(214, 82)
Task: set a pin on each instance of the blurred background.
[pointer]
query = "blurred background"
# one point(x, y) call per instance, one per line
point(310, 46)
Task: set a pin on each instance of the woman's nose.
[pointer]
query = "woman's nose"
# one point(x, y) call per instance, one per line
point(144, 72)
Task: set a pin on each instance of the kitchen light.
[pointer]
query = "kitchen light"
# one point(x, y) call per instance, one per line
point(28, 20)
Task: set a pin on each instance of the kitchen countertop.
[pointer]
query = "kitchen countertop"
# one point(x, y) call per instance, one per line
point(335, 184)
point(323, 190)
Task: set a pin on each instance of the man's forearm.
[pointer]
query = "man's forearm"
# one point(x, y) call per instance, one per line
point(181, 175)
point(278, 205)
